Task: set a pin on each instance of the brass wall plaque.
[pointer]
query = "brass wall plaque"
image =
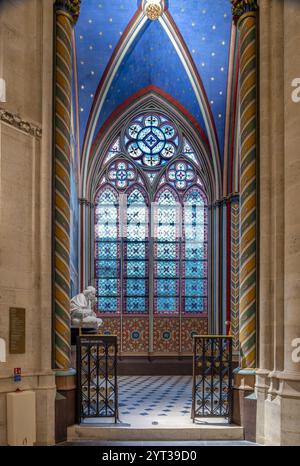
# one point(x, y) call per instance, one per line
point(16, 330)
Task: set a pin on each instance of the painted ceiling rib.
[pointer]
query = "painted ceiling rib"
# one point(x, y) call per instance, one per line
point(188, 65)
point(113, 66)
point(169, 27)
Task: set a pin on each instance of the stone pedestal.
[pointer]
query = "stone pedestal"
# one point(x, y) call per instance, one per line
point(282, 408)
point(244, 402)
point(65, 403)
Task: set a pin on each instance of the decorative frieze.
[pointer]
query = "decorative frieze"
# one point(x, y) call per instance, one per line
point(17, 122)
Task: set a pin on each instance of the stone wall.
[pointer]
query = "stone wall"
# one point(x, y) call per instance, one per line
point(26, 40)
point(278, 377)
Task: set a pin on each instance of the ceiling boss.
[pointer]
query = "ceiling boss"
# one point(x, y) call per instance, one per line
point(153, 9)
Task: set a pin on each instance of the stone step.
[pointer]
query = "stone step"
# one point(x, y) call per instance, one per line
point(121, 432)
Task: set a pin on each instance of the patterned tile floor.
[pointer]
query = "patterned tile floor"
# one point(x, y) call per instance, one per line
point(155, 396)
point(161, 401)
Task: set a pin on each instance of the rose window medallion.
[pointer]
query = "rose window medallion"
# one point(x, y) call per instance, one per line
point(151, 140)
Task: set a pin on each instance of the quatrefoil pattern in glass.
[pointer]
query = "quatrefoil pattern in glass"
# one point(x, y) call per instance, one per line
point(181, 175)
point(121, 174)
point(151, 140)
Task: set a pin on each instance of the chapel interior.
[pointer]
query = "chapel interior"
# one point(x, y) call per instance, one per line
point(149, 188)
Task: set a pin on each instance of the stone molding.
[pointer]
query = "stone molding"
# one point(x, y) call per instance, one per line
point(17, 122)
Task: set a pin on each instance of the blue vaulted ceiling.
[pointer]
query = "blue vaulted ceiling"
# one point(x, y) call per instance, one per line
point(152, 60)
point(100, 26)
point(205, 27)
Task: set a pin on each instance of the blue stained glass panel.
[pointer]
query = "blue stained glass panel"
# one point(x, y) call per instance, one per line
point(108, 287)
point(136, 231)
point(135, 304)
point(195, 287)
point(195, 233)
point(107, 269)
point(106, 232)
point(136, 287)
point(194, 251)
point(168, 305)
point(166, 287)
point(107, 305)
point(167, 270)
point(106, 216)
point(135, 250)
point(166, 250)
point(106, 250)
point(135, 269)
point(195, 304)
point(195, 269)
point(167, 265)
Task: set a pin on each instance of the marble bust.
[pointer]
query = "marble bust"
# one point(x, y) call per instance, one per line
point(82, 313)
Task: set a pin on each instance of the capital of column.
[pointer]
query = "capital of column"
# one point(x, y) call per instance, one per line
point(69, 7)
point(234, 197)
point(240, 7)
point(85, 202)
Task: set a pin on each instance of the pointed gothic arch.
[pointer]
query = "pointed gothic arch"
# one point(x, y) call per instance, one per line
point(188, 166)
point(129, 36)
point(155, 100)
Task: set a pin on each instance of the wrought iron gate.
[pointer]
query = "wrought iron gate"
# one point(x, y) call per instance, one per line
point(97, 388)
point(212, 377)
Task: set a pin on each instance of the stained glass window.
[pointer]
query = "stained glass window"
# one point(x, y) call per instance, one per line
point(151, 225)
point(188, 151)
point(151, 140)
point(114, 150)
point(136, 254)
point(181, 174)
point(122, 174)
point(107, 252)
point(166, 252)
point(195, 252)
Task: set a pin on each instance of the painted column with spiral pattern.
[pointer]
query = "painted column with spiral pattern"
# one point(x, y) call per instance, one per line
point(66, 14)
point(245, 13)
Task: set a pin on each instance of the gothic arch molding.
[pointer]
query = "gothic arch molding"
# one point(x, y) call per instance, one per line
point(151, 99)
point(128, 38)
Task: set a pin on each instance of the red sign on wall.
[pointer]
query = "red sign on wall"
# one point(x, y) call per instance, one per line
point(17, 374)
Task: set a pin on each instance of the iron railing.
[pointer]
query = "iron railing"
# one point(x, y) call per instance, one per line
point(97, 385)
point(212, 377)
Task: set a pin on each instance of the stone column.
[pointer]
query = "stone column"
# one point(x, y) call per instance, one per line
point(289, 378)
point(271, 208)
point(245, 15)
point(244, 12)
point(66, 14)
